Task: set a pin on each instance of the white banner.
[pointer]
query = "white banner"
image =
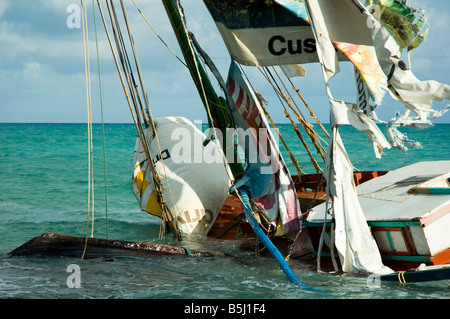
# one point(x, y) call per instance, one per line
point(263, 33)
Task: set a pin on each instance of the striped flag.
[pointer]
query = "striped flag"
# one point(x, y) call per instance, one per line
point(266, 176)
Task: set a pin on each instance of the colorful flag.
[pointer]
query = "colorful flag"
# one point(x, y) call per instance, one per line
point(266, 176)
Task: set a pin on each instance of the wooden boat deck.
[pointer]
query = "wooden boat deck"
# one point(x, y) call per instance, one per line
point(310, 192)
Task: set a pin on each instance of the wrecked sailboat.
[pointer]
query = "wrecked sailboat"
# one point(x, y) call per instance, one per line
point(193, 198)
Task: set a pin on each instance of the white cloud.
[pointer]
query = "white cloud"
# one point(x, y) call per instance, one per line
point(16, 45)
point(4, 5)
point(59, 7)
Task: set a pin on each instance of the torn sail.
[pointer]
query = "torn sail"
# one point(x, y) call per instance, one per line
point(354, 242)
point(405, 24)
point(357, 248)
point(365, 61)
point(263, 32)
point(415, 94)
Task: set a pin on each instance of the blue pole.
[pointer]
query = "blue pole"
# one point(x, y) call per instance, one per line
point(266, 241)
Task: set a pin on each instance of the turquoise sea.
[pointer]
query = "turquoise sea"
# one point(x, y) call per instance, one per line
point(43, 188)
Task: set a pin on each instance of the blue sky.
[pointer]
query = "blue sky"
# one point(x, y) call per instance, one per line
point(42, 75)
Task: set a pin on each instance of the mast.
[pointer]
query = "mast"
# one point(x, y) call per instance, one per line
point(219, 115)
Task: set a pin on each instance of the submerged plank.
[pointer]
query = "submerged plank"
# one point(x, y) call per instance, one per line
point(58, 245)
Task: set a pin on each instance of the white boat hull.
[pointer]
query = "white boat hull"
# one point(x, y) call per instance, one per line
point(409, 221)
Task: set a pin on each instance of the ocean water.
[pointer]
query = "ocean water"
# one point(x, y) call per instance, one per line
point(43, 188)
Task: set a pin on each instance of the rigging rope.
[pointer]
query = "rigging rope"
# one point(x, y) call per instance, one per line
point(89, 126)
point(138, 66)
point(156, 33)
point(148, 109)
point(291, 156)
point(167, 217)
point(103, 123)
point(315, 138)
point(299, 135)
point(309, 109)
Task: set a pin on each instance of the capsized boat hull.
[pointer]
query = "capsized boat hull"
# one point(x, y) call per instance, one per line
point(58, 245)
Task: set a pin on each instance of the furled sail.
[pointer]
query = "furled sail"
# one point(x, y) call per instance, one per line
point(194, 178)
point(266, 176)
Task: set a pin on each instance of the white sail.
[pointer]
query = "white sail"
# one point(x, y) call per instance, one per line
point(356, 247)
point(262, 33)
point(194, 178)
